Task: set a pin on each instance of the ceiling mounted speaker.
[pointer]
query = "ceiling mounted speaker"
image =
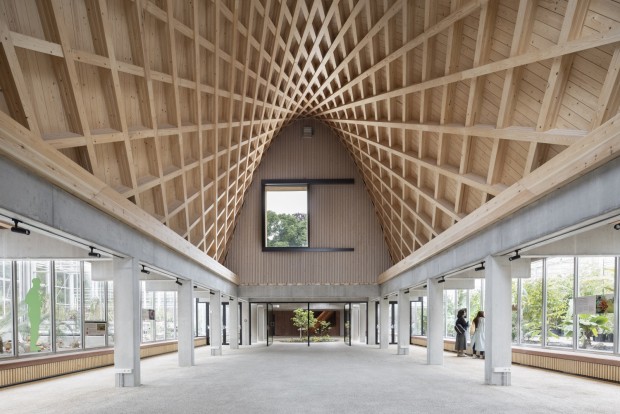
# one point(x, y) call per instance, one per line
point(307, 132)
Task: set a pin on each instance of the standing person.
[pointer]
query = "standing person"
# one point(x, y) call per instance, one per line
point(34, 300)
point(478, 338)
point(461, 327)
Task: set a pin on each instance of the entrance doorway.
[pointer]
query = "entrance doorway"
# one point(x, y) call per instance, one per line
point(392, 323)
point(310, 322)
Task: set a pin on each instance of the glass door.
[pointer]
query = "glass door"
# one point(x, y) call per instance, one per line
point(271, 324)
point(393, 322)
point(225, 319)
point(347, 323)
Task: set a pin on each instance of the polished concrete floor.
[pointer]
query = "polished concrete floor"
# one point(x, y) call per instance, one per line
point(323, 378)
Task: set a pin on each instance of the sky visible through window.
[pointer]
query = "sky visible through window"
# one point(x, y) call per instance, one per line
point(288, 202)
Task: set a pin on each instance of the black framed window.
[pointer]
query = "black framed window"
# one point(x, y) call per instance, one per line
point(285, 215)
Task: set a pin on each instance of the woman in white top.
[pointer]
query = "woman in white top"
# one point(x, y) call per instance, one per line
point(478, 338)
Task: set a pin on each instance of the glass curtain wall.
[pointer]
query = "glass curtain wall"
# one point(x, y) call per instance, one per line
point(532, 305)
point(6, 308)
point(159, 314)
point(559, 301)
point(455, 299)
point(94, 310)
point(56, 306)
point(55, 301)
point(596, 303)
point(418, 317)
point(34, 314)
point(578, 310)
point(566, 303)
point(68, 310)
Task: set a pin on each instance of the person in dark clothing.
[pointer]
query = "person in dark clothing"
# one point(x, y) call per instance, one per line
point(461, 326)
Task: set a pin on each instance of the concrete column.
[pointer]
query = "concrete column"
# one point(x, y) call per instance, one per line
point(215, 322)
point(372, 323)
point(384, 332)
point(363, 323)
point(186, 307)
point(245, 323)
point(404, 310)
point(355, 322)
point(434, 346)
point(233, 324)
point(260, 323)
point(127, 318)
point(498, 321)
point(255, 310)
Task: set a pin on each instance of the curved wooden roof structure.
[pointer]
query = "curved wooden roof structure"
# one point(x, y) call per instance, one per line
point(443, 104)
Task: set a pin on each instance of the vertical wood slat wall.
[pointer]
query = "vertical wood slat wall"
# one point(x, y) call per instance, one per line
point(333, 212)
point(49, 367)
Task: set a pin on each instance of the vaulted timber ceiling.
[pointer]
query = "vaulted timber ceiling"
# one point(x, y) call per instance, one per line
point(443, 104)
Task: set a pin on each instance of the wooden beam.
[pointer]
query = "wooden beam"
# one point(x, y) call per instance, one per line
point(20, 145)
point(578, 45)
point(599, 147)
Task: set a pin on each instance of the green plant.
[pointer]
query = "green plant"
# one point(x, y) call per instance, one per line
point(590, 326)
point(303, 319)
point(321, 328)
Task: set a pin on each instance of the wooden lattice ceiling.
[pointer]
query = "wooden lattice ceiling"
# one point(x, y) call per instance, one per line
point(443, 104)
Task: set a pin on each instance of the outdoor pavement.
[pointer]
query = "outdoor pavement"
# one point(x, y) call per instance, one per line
point(322, 378)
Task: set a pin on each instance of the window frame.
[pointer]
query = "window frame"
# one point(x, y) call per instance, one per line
point(308, 183)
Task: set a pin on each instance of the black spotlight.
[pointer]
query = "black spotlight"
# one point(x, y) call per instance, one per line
point(617, 226)
point(178, 283)
point(515, 257)
point(442, 280)
point(145, 271)
point(479, 268)
point(92, 252)
point(17, 229)
point(406, 292)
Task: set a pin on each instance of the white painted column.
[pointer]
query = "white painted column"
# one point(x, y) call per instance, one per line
point(434, 346)
point(127, 318)
point(186, 308)
point(498, 321)
point(404, 310)
point(372, 323)
point(245, 323)
point(385, 322)
point(233, 324)
point(215, 323)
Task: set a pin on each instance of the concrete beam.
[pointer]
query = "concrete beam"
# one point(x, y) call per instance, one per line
point(600, 241)
point(39, 201)
point(15, 246)
point(309, 293)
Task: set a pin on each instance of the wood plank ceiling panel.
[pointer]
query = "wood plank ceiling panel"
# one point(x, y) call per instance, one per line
point(443, 104)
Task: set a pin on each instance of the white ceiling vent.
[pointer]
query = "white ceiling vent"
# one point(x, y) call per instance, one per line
point(307, 132)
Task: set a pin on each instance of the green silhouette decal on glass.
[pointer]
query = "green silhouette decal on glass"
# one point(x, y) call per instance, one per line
point(34, 301)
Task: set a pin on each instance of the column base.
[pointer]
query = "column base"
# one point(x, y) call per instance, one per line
point(500, 376)
point(216, 351)
point(403, 351)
